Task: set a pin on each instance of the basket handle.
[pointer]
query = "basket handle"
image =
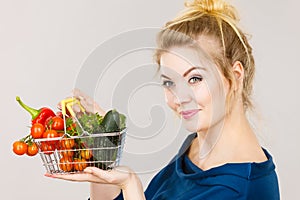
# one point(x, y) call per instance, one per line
point(67, 104)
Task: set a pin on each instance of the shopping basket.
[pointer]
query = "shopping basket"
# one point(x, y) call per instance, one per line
point(72, 154)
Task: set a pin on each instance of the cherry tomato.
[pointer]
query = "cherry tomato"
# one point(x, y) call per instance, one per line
point(72, 127)
point(86, 153)
point(56, 123)
point(51, 134)
point(19, 147)
point(66, 153)
point(32, 149)
point(80, 164)
point(37, 130)
point(60, 134)
point(67, 143)
point(47, 148)
point(66, 164)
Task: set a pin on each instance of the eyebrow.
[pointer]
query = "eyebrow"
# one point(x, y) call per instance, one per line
point(185, 73)
point(191, 69)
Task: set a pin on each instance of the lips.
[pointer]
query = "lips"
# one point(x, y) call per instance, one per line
point(187, 114)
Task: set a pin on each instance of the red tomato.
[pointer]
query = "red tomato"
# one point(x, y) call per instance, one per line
point(51, 134)
point(56, 123)
point(66, 164)
point(37, 130)
point(19, 147)
point(32, 149)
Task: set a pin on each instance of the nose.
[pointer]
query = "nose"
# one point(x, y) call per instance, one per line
point(183, 94)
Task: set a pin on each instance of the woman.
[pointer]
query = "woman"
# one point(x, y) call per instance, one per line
point(207, 70)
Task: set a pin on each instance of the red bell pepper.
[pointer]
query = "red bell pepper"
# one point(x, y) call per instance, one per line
point(38, 115)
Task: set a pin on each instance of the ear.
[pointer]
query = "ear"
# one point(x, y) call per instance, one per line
point(238, 71)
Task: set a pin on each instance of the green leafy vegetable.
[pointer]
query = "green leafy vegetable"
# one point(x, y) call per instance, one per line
point(93, 123)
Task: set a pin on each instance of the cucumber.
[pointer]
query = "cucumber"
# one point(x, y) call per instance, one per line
point(106, 148)
point(111, 121)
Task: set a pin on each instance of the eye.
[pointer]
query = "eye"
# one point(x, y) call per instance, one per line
point(167, 83)
point(195, 80)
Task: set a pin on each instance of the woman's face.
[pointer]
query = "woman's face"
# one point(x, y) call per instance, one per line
point(193, 88)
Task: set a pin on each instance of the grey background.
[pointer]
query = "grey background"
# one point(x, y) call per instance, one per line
point(45, 44)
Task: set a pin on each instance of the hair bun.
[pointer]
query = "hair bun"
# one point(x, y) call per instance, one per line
point(213, 7)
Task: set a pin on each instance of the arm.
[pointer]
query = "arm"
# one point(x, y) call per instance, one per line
point(122, 178)
point(103, 191)
point(133, 189)
point(108, 183)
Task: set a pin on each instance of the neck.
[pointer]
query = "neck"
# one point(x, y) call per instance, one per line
point(226, 141)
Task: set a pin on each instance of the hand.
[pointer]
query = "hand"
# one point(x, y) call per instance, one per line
point(86, 101)
point(119, 176)
point(123, 177)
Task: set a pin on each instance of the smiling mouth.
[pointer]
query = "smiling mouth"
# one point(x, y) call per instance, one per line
point(189, 113)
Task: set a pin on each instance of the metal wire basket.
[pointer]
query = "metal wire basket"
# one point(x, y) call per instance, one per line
point(72, 154)
point(102, 150)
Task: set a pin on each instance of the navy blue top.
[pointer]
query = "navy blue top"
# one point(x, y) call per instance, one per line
point(182, 180)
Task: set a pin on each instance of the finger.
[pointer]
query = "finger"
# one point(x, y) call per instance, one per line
point(77, 93)
point(83, 96)
point(87, 102)
point(58, 105)
point(70, 177)
point(76, 108)
point(104, 175)
point(78, 177)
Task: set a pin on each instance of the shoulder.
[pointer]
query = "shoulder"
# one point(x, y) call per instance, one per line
point(262, 169)
point(263, 180)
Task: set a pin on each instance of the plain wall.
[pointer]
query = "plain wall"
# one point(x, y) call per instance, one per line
point(45, 45)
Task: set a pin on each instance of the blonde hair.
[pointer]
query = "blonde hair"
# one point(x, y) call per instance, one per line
point(218, 20)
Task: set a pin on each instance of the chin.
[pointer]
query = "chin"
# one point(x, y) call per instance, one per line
point(193, 126)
